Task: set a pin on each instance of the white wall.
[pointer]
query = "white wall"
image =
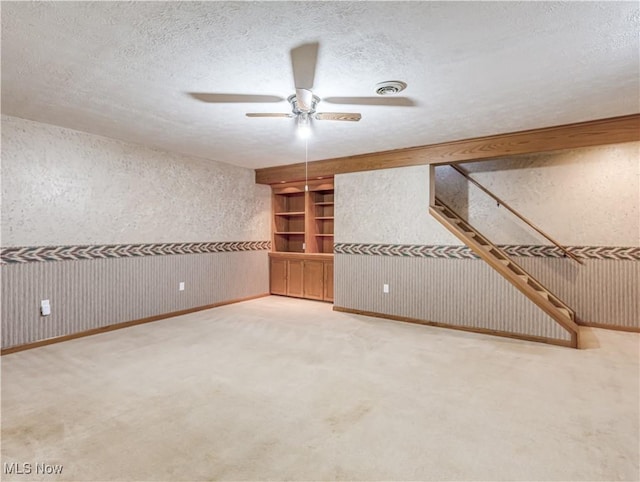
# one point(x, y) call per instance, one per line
point(62, 187)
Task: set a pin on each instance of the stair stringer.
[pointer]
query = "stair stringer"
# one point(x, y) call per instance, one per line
point(499, 261)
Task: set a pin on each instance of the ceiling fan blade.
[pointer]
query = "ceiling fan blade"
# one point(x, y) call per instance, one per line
point(235, 98)
point(339, 116)
point(383, 101)
point(303, 62)
point(304, 98)
point(266, 114)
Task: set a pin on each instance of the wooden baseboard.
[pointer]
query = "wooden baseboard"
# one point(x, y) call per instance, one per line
point(124, 324)
point(631, 329)
point(573, 343)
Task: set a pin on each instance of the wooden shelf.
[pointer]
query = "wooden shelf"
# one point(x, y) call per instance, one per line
point(321, 226)
point(302, 220)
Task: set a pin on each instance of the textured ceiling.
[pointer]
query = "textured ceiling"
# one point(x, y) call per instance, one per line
point(123, 70)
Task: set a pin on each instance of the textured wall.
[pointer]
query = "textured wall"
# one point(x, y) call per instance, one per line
point(387, 206)
point(94, 293)
point(580, 197)
point(66, 187)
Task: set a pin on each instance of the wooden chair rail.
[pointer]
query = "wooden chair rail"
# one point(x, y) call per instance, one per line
point(514, 212)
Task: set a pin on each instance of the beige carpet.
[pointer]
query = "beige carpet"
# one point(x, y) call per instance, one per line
point(284, 389)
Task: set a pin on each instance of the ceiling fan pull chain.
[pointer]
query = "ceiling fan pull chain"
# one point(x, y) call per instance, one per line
point(306, 164)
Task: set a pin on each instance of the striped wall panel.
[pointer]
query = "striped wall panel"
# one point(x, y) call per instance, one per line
point(94, 293)
point(459, 292)
point(600, 291)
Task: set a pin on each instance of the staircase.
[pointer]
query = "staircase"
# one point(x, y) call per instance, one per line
point(511, 271)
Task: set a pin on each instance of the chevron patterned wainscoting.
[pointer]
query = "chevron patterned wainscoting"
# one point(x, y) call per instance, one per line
point(449, 285)
point(91, 287)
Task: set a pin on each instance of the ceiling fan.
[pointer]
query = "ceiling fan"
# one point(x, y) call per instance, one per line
point(304, 102)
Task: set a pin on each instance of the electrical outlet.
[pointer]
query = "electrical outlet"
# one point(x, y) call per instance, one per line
point(45, 308)
point(385, 288)
point(181, 286)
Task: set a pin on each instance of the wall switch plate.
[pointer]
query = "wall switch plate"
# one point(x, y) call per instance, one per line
point(385, 288)
point(45, 308)
point(181, 286)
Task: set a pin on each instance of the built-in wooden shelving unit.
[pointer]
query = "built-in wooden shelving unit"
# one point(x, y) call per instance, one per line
point(302, 239)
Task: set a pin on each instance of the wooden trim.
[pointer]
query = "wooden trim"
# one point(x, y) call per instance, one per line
point(570, 136)
point(310, 242)
point(124, 324)
point(513, 211)
point(630, 329)
point(484, 331)
point(432, 184)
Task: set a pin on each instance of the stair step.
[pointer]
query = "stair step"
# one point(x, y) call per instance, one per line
point(498, 255)
point(515, 269)
point(493, 251)
point(535, 285)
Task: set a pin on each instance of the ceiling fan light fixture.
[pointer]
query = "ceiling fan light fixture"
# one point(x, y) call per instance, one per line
point(390, 87)
point(304, 125)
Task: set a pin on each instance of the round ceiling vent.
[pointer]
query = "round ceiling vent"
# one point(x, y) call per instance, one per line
point(390, 87)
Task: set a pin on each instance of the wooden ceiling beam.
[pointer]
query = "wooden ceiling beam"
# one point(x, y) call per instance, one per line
point(570, 136)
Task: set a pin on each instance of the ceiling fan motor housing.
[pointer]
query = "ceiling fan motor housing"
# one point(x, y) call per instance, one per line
point(292, 99)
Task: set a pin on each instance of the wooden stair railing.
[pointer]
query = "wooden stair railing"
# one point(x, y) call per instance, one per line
point(514, 212)
point(509, 269)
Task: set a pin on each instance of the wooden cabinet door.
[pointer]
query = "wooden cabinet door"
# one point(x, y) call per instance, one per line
point(313, 279)
point(295, 277)
point(328, 281)
point(278, 276)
